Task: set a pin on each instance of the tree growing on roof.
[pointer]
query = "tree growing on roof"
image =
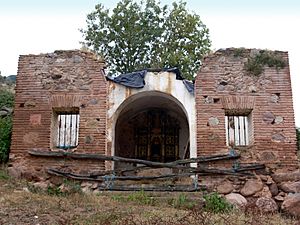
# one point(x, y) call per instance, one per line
point(135, 36)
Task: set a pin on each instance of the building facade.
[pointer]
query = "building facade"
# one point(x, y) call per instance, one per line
point(65, 103)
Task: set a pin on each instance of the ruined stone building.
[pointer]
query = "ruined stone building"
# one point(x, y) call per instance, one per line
point(65, 103)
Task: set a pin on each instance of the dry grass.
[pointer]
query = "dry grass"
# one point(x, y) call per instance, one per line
point(20, 206)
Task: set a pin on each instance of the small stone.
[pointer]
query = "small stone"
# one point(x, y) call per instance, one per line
point(278, 137)
point(265, 192)
point(209, 100)
point(267, 156)
point(95, 185)
point(25, 189)
point(283, 194)
point(274, 98)
point(86, 184)
point(266, 204)
point(56, 76)
point(268, 117)
point(97, 192)
point(263, 177)
point(77, 59)
point(29, 103)
point(237, 200)
point(279, 198)
point(278, 119)
point(225, 187)
point(273, 189)
point(93, 101)
point(251, 187)
point(269, 180)
point(252, 89)
point(3, 113)
point(220, 88)
point(41, 185)
point(64, 188)
point(89, 139)
point(86, 190)
point(212, 121)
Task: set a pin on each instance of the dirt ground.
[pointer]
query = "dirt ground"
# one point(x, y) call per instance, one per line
point(20, 204)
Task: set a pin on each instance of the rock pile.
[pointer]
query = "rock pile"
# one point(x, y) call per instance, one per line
point(278, 192)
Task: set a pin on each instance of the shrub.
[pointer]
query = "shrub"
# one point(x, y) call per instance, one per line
point(182, 202)
point(141, 197)
point(216, 204)
point(255, 65)
point(5, 137)
point(6, 99)
point(3, 174)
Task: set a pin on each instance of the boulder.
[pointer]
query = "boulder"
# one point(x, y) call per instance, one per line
point(237, 200)
point(289, 176)
point(225, 187)
point(266, 204)
point(291, 187)
point(251, 187)
point(291, 205)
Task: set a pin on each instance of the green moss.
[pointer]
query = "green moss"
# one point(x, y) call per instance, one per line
point(238, 52)
point(255, 65)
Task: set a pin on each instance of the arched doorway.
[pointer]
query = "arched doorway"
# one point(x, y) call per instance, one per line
point(152, 126)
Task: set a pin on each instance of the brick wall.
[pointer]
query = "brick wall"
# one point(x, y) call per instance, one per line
point(60, 80)
point(223, 85)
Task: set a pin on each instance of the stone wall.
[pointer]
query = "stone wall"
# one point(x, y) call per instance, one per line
point(60, 80)
point(224, 84)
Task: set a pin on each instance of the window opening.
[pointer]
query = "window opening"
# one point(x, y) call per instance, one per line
point(237, 130)
point(67, 130)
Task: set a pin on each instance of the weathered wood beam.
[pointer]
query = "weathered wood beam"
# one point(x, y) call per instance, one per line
point(181, 188)
point(187, 172)
point(100, 157)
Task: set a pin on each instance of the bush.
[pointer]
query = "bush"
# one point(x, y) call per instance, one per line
point(216, 204)
point(6, 99)
point(5, 137)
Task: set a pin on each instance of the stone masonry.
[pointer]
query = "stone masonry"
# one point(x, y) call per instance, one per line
point(60, 80)
point(223, 85)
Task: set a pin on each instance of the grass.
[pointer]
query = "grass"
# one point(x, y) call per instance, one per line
point(20, 206)
point(3, 173)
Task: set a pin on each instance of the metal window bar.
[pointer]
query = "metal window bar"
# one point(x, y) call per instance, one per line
point(68, 128)
point(236, 130)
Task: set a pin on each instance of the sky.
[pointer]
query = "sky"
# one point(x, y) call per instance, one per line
point(41, 26)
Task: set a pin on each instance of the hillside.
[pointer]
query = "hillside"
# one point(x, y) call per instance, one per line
point(8, 83)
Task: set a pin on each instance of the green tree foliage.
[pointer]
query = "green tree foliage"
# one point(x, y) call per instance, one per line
point(7, 100)
point(135, 35)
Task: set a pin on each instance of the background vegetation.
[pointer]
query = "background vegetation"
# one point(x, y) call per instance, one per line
point(136, 36)
point(6, 100)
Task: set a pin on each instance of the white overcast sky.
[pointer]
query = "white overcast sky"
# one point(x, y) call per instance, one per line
point(37, 26)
